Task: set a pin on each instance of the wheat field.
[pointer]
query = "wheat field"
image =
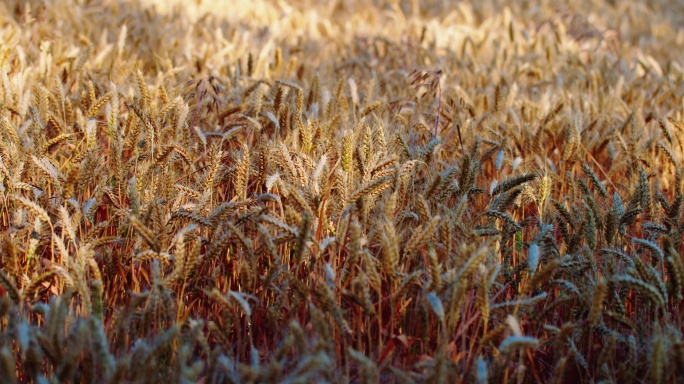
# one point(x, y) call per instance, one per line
point(381, 191)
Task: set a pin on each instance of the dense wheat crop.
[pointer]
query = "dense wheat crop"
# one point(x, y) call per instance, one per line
point(348, 191)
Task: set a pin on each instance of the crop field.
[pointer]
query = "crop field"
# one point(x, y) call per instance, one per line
point(302, 191)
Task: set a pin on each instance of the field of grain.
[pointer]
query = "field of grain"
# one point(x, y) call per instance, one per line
point(295, 191)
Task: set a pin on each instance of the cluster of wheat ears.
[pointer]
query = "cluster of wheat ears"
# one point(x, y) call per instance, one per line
point(351, 191)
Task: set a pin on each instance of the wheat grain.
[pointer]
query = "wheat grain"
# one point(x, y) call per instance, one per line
point(644, 287)
point(146, 233)
point(597, 303)
point(11, 288)
point(371, 188)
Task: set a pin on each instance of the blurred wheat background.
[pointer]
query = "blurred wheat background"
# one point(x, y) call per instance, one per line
point(388, 191)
